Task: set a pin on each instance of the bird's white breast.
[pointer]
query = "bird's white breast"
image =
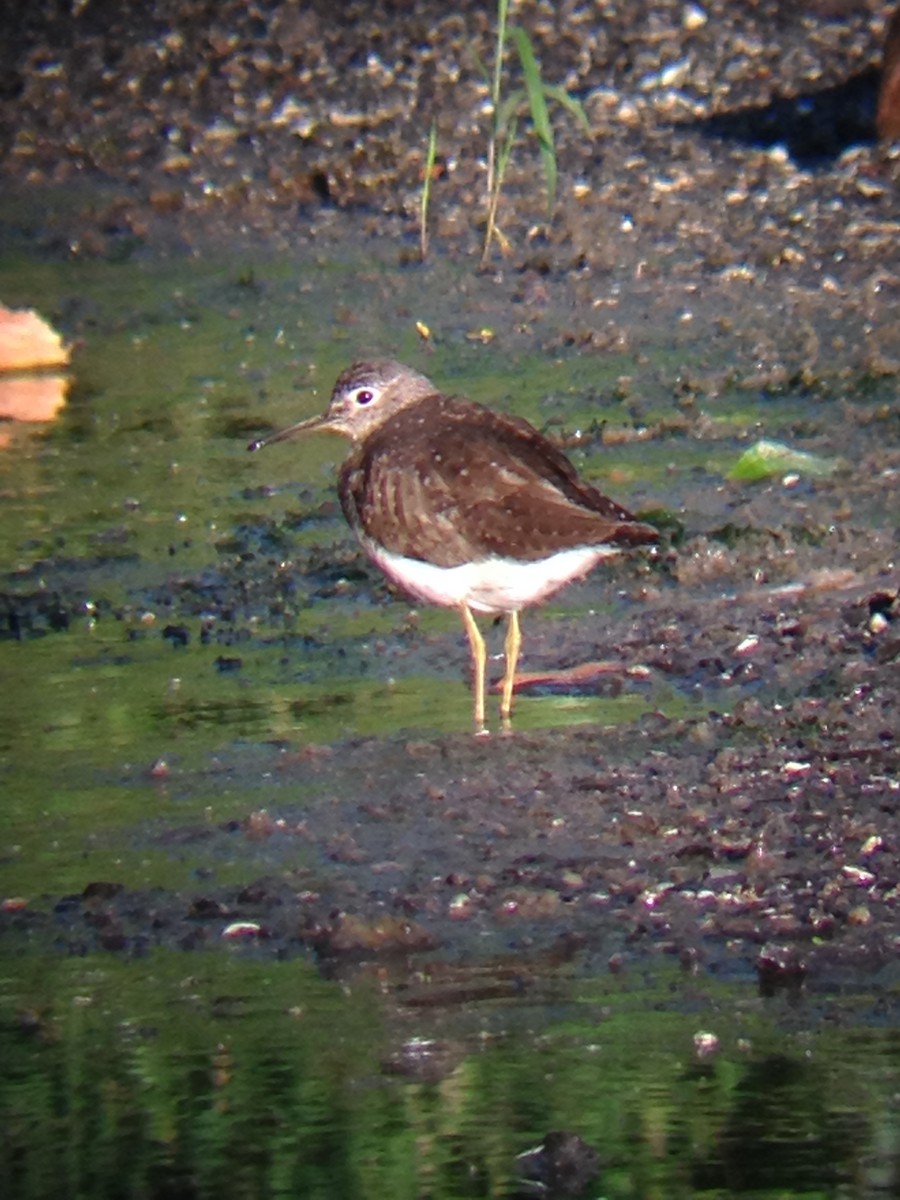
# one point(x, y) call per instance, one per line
point(491, 585)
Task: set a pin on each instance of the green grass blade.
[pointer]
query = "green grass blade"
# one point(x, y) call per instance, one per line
point(508, 109)
point(430, 157)
point(540, 116)
point(509, 138)
point(569, 103)
point(480, 67)
point(500, 48)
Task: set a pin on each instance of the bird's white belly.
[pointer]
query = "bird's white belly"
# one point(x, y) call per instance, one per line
point(491, 585)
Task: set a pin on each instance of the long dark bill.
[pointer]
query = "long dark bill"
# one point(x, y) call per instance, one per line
point(283, 434)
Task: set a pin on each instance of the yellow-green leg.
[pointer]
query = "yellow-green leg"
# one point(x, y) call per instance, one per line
point(479, 659)
point(512, 645)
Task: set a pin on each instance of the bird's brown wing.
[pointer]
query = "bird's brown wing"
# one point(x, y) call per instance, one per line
point(433, 484)
point(515, 526)
point(404, 512)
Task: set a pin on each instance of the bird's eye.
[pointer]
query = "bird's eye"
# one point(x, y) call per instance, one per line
point(364, 396)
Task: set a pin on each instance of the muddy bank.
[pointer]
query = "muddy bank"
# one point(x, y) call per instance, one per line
point(756, 837)
point(731, 176)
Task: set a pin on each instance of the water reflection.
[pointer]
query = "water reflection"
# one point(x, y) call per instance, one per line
point(243, 1079)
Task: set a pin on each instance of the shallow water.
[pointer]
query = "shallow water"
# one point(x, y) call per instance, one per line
point(224, 1076)
point(177, 610)
point(128, 523)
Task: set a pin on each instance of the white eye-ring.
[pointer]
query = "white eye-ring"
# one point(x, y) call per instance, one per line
point(364, 395)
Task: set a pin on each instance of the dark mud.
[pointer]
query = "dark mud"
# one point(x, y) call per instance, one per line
point(734, 194)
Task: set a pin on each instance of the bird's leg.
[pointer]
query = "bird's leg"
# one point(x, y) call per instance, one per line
point(479, 659)
point(511, 646)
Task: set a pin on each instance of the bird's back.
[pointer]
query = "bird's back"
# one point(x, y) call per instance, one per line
point(447, 481)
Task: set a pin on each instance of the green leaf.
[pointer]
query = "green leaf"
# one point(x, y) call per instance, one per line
point(480, 67)
point(430, 158)
point(540, 116)
point(765, 459)
point(506, 151)
point(569, 103)
point(507, 110)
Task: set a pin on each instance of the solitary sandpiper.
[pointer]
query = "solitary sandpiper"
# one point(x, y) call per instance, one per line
point(462, 506)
